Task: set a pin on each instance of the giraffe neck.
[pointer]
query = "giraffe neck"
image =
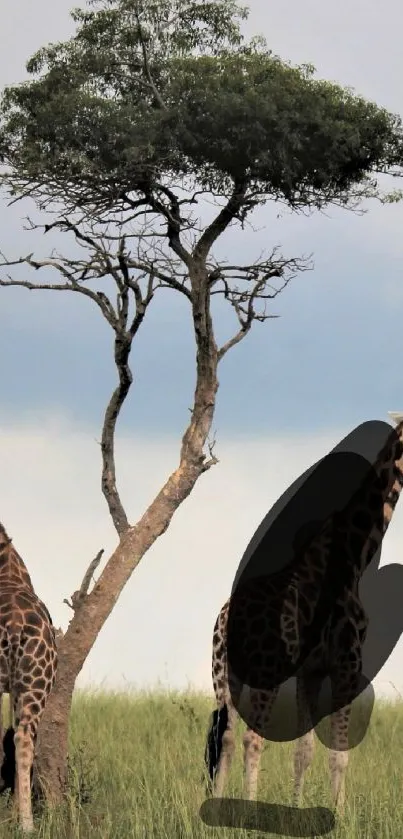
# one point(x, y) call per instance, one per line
point(389, 482)
point(12, 569)
point(312, 566)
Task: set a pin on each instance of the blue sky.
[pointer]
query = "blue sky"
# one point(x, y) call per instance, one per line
point(287, 395)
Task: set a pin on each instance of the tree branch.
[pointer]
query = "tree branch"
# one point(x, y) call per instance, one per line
point(220, 223)
point(78, 597)
point(259, 275)
point(122, 349)
point(146, 64)
point(72, 285)
point(101, 265)
point(173, 219)
point(87, 269)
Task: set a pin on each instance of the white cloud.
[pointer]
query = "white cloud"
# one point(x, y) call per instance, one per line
point(161, 628)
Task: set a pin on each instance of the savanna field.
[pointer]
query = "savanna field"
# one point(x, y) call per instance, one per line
point(136, 766)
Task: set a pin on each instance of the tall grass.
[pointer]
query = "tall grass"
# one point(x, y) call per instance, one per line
point(136, 765)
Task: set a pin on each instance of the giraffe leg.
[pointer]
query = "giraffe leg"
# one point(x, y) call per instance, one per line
point(24, 740)
point(16, 796)
point(262, 703)
point(253, 748)
point(15, 807)
point(344, 680)
point(220, 745)
point(308, 687)
point(227, 753)
point(338, 756)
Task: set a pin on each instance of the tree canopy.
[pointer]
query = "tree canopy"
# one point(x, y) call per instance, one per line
point(149, 92)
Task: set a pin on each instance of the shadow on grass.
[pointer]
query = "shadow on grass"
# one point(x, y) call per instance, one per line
point(267, 818)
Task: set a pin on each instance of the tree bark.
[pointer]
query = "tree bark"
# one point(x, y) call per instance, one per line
point(91, 614)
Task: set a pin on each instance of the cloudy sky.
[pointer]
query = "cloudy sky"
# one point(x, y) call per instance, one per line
point(287, 394)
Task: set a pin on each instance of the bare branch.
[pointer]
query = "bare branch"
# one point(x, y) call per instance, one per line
point(243, 300)
point(213, 459)
point(234, 340)
point(108, 480)
point(72, 285)
point(123, 343)
point(59, 635)
point(77, 598)
point(87, 269)
point(100, 263)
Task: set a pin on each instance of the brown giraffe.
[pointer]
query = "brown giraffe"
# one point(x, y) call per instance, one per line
point(28, 662)
point(327, 657)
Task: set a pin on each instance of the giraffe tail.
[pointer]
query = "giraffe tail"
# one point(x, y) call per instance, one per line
point(7, 770)
point(218, 727)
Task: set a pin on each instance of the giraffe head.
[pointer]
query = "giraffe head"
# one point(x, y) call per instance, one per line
point(394, 464)
point(397, 418)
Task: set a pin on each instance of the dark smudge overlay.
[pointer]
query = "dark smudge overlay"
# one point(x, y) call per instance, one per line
point(332, 490)
point(267, 818)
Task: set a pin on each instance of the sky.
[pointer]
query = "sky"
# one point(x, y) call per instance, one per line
point(287, 394)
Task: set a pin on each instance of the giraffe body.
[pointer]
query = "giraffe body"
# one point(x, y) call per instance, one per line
point(337, 652)
point(28, 662)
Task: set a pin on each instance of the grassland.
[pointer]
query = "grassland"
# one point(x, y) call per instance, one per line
point(139, 761)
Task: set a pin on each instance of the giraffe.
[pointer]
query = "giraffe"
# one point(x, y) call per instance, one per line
point(327, 656)
point(28, 662)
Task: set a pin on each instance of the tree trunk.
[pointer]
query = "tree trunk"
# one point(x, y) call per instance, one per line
point(50, 769)
point(91, 614)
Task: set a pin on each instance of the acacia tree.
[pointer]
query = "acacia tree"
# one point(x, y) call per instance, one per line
point(122, 130)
